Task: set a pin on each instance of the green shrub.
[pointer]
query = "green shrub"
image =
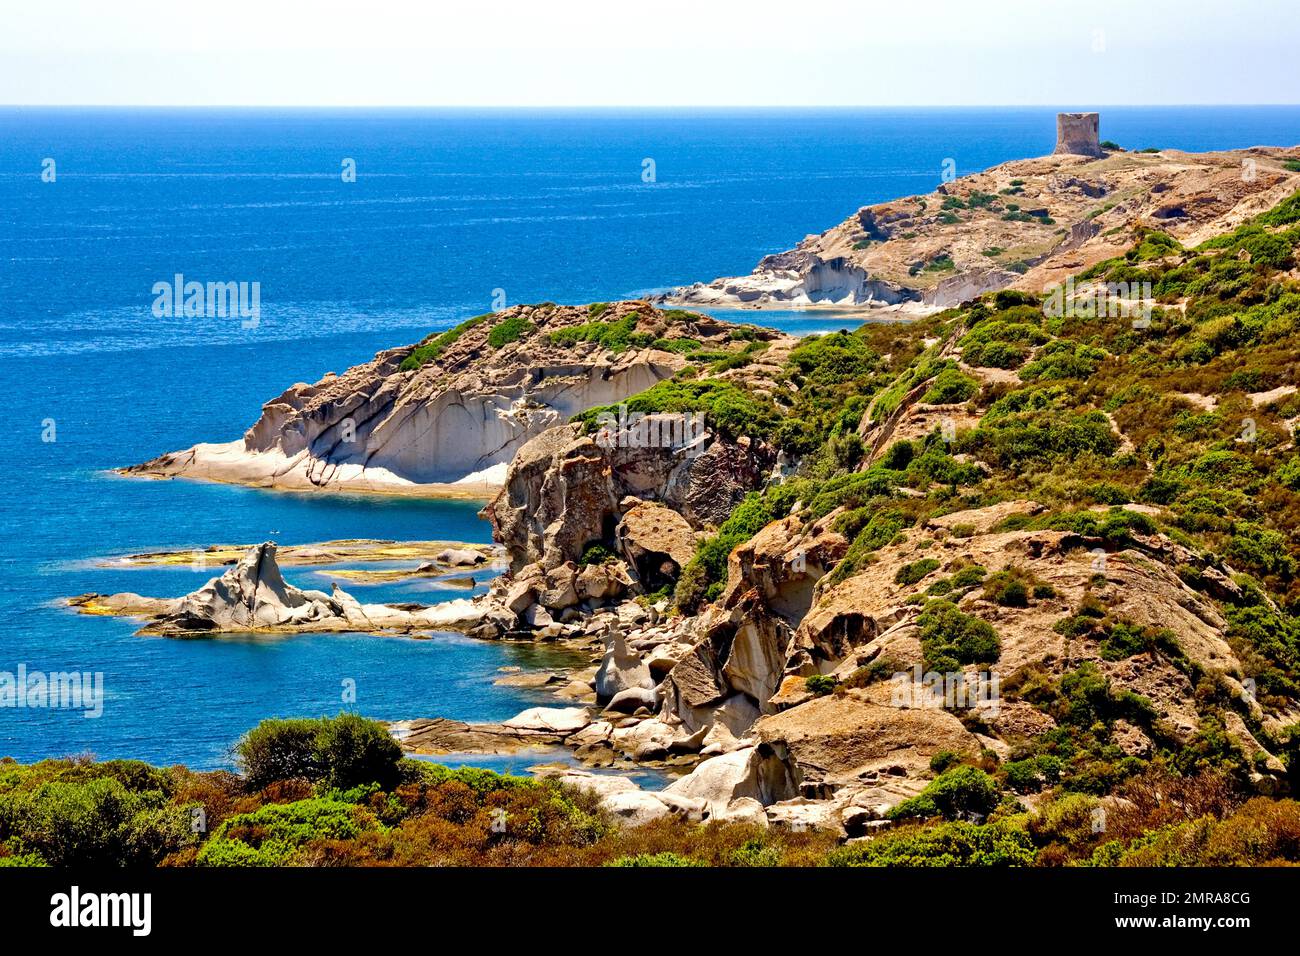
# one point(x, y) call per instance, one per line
point(1261, 550)
point(341, 752)
point(820, 684)
point(681, 346)
point(1063, 359)
point(949, 844)
point(951, 638)
point(354, 751)
point(944, 759)
point(969, 576)
point(509, 330)
point(914, 572)
point(1032, 774)
point(1124, 640)
point(963, 792)
point(1013, 587)
point(596, 553)
point(616, 336)
point(279, 750)
point(1005, 355)
point(274, 834)
point(97, 822)
point(709, 565)
point(1009, 440)
point(755, 853)
point(950, 387)
point(726, 406)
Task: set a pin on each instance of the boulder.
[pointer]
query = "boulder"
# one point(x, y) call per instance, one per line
point(651, 534)
point(800, 815)
point(632, 699)
point(520, 596)
point(652, 739)
point(720, 780)
point(743, 810)
point(596, 732)
point(538, 617)
point(635, 807)
point(602, 582)
point(557, 720)
point(840, 739)
point(560, 591)
point(603, 785)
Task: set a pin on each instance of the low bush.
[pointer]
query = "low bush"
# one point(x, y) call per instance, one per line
point(948, 844)
point(951, 638)
point(508, 330)
point(914, 572)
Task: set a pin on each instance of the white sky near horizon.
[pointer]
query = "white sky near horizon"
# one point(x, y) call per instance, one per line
point(654, 53)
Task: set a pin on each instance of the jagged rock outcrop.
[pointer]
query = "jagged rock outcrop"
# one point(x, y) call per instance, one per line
point(736, 680)
point(737, 664)
point(565, 491)
point(253, 596)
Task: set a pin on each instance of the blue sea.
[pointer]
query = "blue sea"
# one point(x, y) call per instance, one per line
point(449, 210)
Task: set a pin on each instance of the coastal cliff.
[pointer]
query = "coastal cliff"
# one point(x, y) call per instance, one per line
point(446, 415)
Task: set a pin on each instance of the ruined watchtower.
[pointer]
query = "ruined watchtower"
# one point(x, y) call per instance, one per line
point(1077, 133)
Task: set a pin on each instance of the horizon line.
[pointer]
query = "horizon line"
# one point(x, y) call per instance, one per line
point(640, 106)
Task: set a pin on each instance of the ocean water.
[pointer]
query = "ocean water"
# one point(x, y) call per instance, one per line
point(451, 213)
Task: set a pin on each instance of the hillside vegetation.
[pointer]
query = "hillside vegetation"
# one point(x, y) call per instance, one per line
point(337, 792)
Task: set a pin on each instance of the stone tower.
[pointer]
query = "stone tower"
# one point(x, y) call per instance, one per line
point(1076, 133)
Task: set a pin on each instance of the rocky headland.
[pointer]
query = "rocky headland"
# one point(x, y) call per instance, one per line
point(1021, 225)
point(444, 416)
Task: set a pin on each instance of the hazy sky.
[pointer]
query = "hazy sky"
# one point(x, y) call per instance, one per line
point(657, 52)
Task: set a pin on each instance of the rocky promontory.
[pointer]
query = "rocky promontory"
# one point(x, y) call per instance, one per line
point(445, 415)
point(1025, 224)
